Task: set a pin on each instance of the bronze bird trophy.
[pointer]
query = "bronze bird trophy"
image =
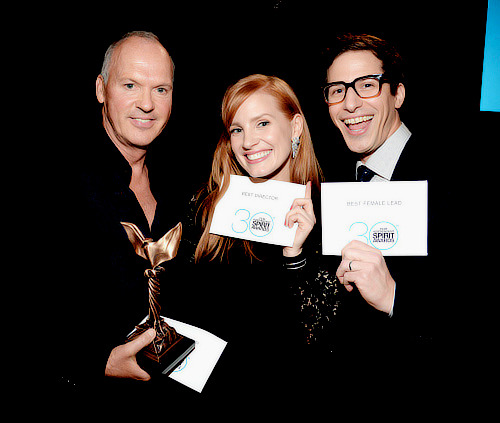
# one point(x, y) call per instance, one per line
point(169, 348)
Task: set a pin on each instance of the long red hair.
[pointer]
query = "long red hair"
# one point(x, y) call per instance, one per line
point(303, 168)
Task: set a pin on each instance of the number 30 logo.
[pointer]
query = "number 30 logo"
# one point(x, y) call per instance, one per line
point(382, 235)
point(260, 224)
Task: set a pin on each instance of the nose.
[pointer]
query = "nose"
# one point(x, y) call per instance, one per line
point(145, 101)
point(250, 140)
point(352, 100)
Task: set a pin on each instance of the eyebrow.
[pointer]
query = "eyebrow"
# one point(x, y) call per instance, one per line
point(134, 81)
point(355, 79)
point(256, 118)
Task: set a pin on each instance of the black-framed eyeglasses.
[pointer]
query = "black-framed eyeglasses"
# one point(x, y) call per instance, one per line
point(368, 86)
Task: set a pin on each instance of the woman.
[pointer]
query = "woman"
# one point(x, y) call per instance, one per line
point(262, 120)
point(254, 295)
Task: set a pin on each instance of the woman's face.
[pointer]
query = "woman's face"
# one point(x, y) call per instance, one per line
point(261, 137)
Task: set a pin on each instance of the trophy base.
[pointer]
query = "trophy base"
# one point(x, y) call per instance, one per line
point(170, 358)
point(169, 361)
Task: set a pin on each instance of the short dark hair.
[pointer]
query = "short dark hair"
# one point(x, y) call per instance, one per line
point(392, 62)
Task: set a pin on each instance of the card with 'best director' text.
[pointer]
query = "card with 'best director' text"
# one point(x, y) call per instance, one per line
point(256, 211)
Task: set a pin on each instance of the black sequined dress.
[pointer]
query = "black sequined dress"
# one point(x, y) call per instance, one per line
point(277, 314)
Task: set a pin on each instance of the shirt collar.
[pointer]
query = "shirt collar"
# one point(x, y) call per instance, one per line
point(383, 161)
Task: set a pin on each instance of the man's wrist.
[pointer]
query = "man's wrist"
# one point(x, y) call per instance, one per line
point(391, 311)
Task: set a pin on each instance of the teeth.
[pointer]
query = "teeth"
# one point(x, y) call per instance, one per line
point(258, 155)
point(359, 119)
point(142, 120)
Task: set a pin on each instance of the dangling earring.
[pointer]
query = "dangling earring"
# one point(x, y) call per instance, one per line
point(295, 146)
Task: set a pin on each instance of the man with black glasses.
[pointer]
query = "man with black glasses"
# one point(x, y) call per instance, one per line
point(368, 118)
point(364, 93)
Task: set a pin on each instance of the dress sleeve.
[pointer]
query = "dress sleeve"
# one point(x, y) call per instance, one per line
point(316, 291)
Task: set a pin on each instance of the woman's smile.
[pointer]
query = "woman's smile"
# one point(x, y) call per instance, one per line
point(257, 157)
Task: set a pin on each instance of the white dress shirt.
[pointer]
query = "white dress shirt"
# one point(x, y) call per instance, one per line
point(383, 162)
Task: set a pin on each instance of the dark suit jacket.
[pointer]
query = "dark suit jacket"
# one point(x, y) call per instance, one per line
point(419, 290)
point(408, 340)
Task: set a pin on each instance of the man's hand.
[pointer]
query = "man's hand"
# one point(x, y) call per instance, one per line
point(365, 266)
point(122, 362)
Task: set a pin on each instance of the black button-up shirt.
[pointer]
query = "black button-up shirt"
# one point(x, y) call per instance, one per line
point(106, 294)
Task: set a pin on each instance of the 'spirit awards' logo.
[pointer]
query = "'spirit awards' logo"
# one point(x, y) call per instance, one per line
point(261, 224)
point(383, 235)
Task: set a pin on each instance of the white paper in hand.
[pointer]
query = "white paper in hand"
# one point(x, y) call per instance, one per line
point(197, 367)
point(257, 211)
point(390, 216)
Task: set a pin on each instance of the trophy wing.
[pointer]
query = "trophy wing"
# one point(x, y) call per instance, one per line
point(136, 237)
point(166, 247)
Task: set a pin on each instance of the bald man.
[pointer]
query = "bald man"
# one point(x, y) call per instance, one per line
point(108, 296)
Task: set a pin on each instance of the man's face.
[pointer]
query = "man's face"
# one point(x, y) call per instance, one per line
point(137, 97)
point(365, 124)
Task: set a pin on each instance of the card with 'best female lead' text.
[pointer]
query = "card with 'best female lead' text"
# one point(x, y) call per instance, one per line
point(390, 216)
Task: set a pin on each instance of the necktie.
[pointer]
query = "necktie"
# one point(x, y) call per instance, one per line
point(364, 174)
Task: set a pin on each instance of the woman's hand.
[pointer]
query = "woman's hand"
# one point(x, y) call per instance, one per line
point(302, 213)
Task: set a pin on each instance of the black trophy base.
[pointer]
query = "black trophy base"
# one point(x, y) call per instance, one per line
point(169, 360)
point(170, 356)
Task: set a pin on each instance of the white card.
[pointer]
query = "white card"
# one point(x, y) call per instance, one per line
point(257, 211)
point(196, 368)
point(390, 216)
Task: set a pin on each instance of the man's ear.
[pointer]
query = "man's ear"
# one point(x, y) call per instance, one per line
point(99, 89)
point(400, 96)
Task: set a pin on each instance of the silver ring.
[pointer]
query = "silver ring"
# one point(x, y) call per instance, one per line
point(350, 268)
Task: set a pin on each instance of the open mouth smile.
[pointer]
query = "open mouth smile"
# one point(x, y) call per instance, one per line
point(257, 157)
point(358, 125)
